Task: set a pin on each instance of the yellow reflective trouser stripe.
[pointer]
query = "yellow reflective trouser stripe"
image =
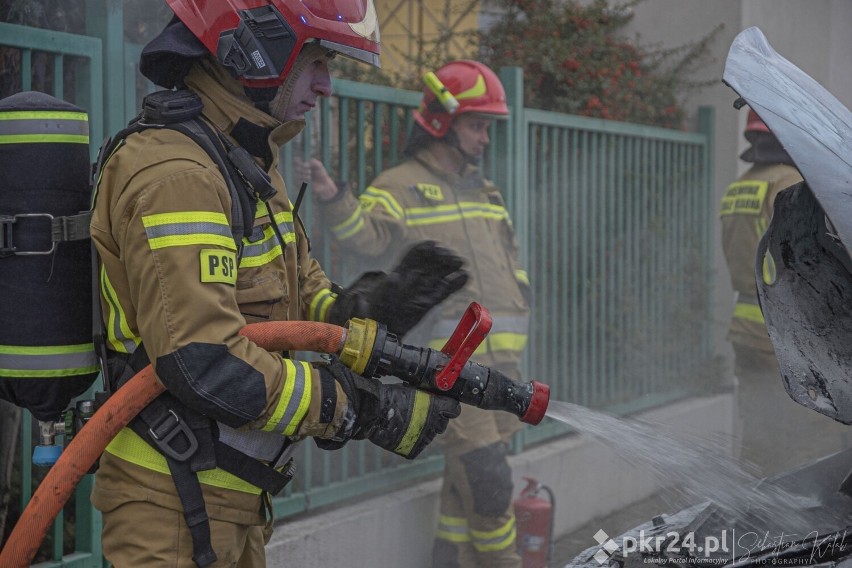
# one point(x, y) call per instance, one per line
point(415, 216)
point(749, 312)
point(21, 361)
point(416, 422)
point(188, 228)
point(453, 529)
point(118, 332)
point(294, 400)
point(506, 341)
point(128, 446)
point(499, 539)
point(320, 304)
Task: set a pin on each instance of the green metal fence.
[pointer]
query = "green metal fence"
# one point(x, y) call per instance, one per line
point(614, 221)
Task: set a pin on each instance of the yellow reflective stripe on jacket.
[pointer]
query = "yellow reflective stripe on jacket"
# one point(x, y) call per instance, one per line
point(119, 336)
point(294, 401)
point(32, 362)
point(188, 228)
point(260, 252)
point(374, 195)
point(416, 216)
point(748, 312)
point(350, 226)
point(265, 247)
point(320, 304)
point(128, 446)
point(371, 197)
point(522, 277)
point(37, 126)
point(744, 197)
point(284, 220)
point(499, 539)
point(453, 529)
point(416, 422)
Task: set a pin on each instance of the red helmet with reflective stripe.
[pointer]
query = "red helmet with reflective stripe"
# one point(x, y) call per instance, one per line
point(259, 40)
point(754, 123)
point(475, 87)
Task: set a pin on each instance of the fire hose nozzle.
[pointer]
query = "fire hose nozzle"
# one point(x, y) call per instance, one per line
point(371, 351)
point(538, 403)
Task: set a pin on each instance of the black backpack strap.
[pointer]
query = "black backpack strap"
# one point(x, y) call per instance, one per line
point(243, 205)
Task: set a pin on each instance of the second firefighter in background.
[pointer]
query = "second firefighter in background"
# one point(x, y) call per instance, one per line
point(769, 444)
point(439, 193)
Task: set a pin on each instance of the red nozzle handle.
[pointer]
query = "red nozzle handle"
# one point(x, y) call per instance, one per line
point(538, 403)
point(469, 333)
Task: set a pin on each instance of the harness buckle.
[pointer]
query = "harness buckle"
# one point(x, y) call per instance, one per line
point(7, 242)
point(169, 427)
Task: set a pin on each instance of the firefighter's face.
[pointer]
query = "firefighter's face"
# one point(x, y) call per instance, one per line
point(472, 132)
point(311, 84)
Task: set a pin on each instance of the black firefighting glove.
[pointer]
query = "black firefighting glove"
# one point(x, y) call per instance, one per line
point(395, 417)
point(426, 276)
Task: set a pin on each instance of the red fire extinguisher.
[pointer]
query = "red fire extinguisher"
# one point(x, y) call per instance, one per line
point(534, 519)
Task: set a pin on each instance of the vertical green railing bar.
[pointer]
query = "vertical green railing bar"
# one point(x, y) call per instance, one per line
point(706, 211)
point(105, 19)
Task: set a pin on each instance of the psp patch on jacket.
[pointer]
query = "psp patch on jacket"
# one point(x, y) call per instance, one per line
point(218, 266)
point(430, 191)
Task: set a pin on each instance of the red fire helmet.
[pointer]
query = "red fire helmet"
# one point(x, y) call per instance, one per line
point(754, 123)
point(260, 39)
point(476, 88)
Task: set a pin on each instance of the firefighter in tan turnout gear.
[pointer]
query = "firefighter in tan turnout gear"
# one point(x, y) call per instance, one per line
point(438, 193)
point(197, 237)
point(772, 445)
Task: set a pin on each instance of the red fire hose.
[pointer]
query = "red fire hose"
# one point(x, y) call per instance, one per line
point(116, 413)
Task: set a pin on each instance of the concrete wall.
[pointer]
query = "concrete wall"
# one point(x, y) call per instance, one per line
point(395, 530)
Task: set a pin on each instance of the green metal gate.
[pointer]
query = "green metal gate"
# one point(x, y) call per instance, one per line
point(614, 221)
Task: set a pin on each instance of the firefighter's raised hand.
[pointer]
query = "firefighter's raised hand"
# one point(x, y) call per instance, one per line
point(314, 172)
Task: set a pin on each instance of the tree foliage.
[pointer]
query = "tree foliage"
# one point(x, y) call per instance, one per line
point(575, 61)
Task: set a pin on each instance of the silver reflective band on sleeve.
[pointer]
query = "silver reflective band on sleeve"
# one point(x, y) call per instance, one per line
point(45, 362)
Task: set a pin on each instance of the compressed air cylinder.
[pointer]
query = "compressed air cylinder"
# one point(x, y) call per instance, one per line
point(46, 352)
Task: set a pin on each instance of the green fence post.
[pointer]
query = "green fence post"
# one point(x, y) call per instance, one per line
point(706, 126)
point(105, 19)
